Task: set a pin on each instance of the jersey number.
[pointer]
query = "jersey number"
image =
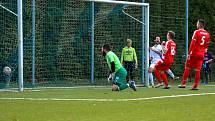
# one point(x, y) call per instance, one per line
point(202, 40)
point(172, 50)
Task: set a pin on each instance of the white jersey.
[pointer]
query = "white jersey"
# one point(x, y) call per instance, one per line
point(155, 56)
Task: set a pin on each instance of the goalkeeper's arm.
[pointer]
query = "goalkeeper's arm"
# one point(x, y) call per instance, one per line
point(112, 67)
point(111, 76)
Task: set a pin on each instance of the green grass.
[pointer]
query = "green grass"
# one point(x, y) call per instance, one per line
point(192, 108)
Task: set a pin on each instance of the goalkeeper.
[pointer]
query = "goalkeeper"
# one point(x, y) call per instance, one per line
point(117, 71)
point(129, 60)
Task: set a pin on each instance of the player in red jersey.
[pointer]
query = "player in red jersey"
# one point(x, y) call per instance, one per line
point(169, 49)
point(199, 43)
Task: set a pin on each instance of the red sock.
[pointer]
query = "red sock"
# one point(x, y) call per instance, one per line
point(163, 76)
point(185, 76)
point(197, 78)
point(158, 76)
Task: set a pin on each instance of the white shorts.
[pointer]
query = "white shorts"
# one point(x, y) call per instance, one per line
point(153, 63)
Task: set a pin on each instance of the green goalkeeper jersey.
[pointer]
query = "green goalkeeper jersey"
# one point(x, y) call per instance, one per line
point(111, 57)
point(128, 54)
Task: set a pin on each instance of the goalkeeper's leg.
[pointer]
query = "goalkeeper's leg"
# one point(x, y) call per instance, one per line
point(119, 80)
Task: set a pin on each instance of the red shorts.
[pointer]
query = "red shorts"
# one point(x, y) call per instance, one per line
point(194, 62)
point(161, 66)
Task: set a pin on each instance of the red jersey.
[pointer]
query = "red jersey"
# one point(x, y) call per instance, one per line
point(168, 57)
point(199, 43)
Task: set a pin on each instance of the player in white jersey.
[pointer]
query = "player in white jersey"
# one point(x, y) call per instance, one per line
point(155, 56)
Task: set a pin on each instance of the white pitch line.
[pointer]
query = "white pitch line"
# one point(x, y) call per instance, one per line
point(7, 90)
point(108, 100)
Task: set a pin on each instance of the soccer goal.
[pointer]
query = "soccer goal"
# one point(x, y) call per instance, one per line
point(70, 34)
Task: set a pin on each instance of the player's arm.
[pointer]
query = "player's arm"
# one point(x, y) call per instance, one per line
point(135, 56)
point(192, 46)
point(112, 67)
point(112, 64)
point(111, 76)
point(159, 52)
point(164, 47)
point(193, 43)
point(210, 58)
point(150, 55)
point(122, 56)
point(209, 61)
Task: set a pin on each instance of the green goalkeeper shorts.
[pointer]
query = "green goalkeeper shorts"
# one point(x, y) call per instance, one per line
point(120, 76)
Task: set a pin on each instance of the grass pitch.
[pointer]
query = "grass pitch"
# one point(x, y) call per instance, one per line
point(101, 104)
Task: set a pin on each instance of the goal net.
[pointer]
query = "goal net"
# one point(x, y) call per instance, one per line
point(68, 47)
point(9, 42)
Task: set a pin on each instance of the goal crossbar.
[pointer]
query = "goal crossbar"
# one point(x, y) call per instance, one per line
point(120, 2)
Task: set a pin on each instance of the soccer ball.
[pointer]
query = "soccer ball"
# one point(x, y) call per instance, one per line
point(7, 70)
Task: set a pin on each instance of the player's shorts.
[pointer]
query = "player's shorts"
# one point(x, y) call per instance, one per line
point(129, 66)
point(154, 62)
point(161, 66)
point(194, 62)
point(120, 76)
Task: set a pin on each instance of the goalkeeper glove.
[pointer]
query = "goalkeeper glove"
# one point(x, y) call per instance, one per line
point(111, 76)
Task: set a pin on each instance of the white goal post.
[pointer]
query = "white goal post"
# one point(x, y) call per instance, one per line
point(20, 48)
point(145, 34)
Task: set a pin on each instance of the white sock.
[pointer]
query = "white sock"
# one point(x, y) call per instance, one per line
point(170, 73)
point(151, 79)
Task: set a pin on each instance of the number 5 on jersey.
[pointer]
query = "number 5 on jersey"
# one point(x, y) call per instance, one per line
point(202, 40)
